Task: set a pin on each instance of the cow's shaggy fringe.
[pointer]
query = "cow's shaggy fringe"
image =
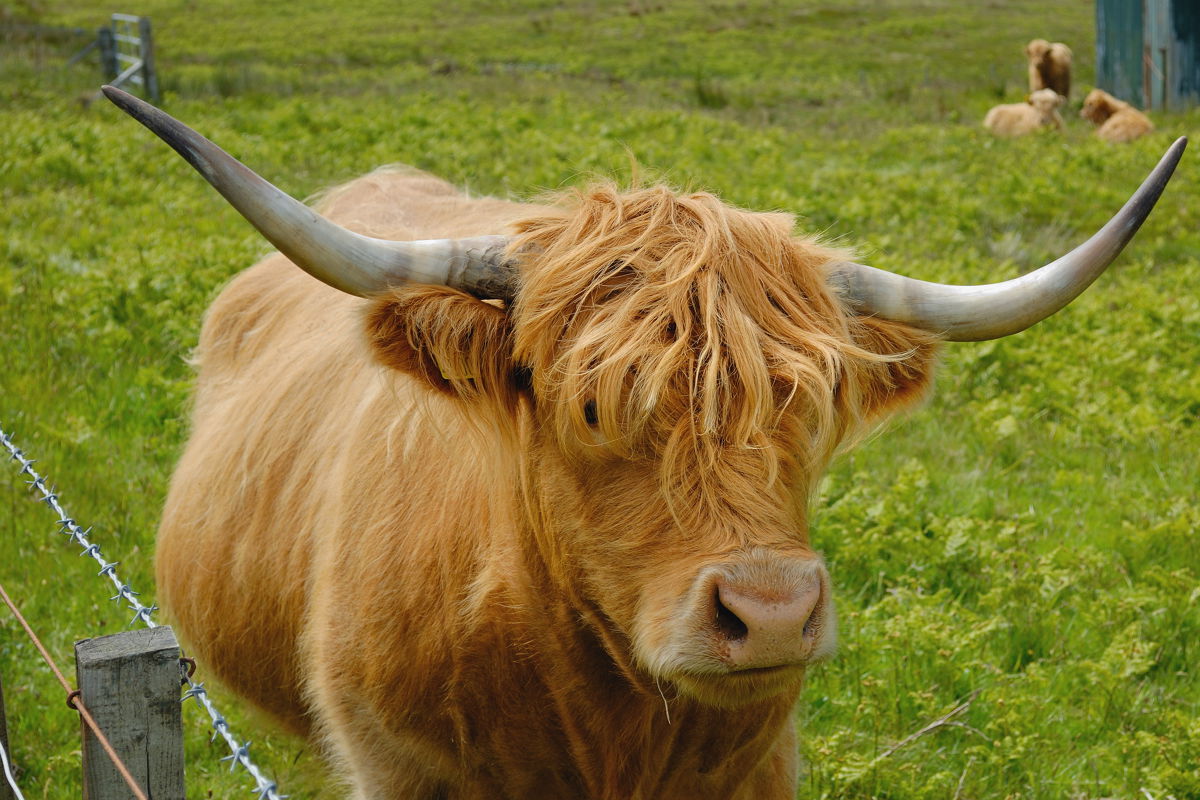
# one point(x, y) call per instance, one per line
point(676, 328)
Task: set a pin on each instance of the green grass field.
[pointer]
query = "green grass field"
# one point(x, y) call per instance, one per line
point(1030, 538)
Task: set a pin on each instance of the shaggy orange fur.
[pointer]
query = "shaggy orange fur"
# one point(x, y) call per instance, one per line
point(1116, 120)
point(451, 539)
point(1049, 66)
point(1018, 119)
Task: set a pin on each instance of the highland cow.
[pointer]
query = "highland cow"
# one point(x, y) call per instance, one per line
point(1049, 66)
point(1018, 119)
point(1115, 120)
point(511, 501)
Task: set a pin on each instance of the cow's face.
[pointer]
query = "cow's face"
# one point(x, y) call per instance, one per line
point(1046, 101)
point(1098, 106)
point(680, 376)
point(1038, 51)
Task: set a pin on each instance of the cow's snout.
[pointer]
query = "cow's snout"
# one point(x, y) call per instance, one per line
point(769, 613)
point(745, 629)
point(765, 629)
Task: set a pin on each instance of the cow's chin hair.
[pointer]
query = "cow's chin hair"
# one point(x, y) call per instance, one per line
point(734, 690)
point(687, 662)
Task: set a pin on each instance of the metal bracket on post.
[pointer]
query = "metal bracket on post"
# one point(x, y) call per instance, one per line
point(130, 683)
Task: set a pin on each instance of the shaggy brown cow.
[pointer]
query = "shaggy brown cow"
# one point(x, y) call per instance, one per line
point(1049, 66)
point(1017, 119)
point(1115, 120)
point(553, 545)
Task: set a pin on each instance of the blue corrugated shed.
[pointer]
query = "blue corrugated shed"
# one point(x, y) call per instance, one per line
point(1148, 51)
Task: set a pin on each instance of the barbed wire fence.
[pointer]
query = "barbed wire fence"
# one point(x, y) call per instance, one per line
point(265, 788)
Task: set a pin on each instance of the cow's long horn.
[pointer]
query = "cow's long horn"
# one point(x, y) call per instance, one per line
point(343, 259)
point(976, 313)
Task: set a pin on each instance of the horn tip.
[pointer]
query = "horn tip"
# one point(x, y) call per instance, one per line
point(185, 141)
point(1175, 151)
point(123, 100)
point(1171, 158)
point(114, 94)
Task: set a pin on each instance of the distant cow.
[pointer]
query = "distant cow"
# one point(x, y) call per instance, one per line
point(539, 531)
point(1018, 119)
point(1115, 120)
point(1049, 66)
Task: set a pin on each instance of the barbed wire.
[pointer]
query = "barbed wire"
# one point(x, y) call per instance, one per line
point(266, 789)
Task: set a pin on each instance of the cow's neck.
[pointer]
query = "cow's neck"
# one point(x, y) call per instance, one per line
point(600, 723)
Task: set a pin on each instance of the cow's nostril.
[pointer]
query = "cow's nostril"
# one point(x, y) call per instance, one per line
point(728, 624)
point(768, 623)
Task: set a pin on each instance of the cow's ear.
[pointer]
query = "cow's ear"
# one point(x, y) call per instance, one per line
point(449, 340)
point(904, 374)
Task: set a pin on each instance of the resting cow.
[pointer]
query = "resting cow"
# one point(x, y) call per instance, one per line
point(523, 515)
point(1115, 120)
point(1018, 119)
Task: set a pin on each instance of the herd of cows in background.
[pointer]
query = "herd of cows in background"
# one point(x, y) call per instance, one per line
point(1049, 88)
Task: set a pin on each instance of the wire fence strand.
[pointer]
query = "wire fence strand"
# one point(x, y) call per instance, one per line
point(265, 788)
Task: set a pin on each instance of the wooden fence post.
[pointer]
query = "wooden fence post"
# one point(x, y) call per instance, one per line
point(108, 53)
point(130, 683)
point(6, 792)
point(149, 75)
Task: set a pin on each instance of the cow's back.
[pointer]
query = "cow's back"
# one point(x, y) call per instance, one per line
point(285, 394)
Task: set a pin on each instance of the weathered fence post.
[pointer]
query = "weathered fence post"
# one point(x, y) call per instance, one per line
point(108, 52)
point(149, 75)
point(6, 792)
point(130, 683)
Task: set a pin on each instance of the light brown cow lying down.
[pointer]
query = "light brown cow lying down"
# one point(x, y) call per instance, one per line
point(552, 545)
point(1116, 120)
point(1018, 119)
point(1049, 66)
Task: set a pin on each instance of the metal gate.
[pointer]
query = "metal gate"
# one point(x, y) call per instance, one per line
point(127, 54)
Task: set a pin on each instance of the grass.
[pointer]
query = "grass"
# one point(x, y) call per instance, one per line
point(1029, 535)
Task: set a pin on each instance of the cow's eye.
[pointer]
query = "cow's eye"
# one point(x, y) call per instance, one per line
point(589, 413)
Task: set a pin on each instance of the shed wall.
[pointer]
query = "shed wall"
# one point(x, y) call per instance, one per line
point(1148, 51)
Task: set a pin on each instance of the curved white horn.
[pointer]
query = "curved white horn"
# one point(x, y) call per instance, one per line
point(343, 259)
point(976, 313)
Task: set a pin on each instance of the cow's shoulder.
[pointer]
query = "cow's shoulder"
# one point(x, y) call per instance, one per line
point(401, 202)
